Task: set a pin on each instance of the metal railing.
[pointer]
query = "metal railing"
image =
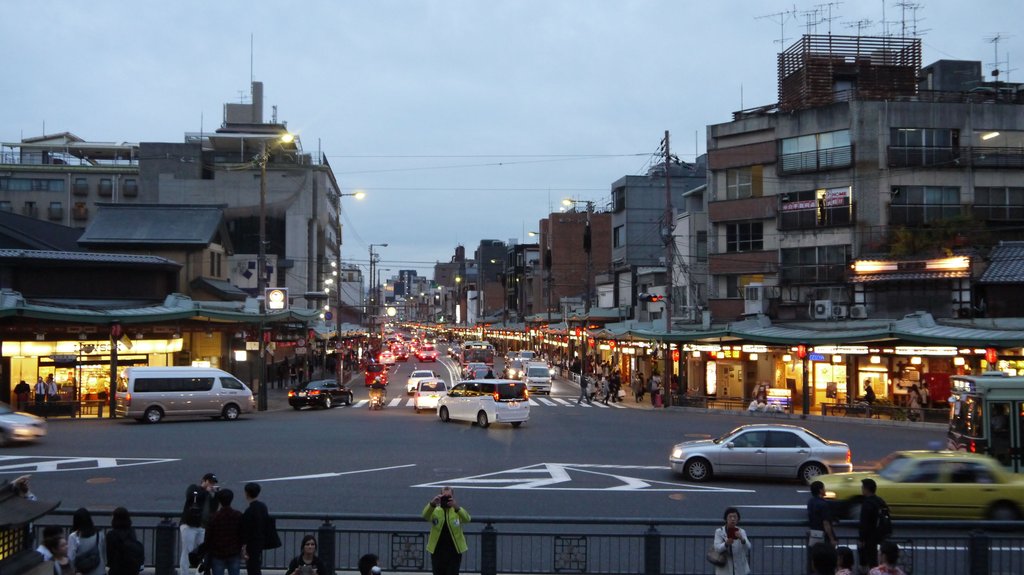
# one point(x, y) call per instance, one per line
point(529, 545)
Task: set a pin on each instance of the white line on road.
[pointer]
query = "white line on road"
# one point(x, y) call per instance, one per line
point(335, 474)
point(543, 401)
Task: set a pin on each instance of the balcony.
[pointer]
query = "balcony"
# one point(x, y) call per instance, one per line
point(80, 213)
point(816, 160)
point(923, 156)
point(993, 157)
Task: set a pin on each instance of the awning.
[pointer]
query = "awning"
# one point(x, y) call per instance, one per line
point(909, 276)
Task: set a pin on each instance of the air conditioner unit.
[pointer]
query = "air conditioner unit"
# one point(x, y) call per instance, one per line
point(839, 311)
point(822, 309)
point(859, 312)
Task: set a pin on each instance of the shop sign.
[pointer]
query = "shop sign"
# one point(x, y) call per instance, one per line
point(702, 347)
point(842, 349)
point(816, 357)
point(755, 349)
point(252, 346)
point(936, 351)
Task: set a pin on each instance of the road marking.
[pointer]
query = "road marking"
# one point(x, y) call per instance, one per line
point(542, 401)
point(560, 476)
point(44, 464)
point(335, 474)
point(361, 403)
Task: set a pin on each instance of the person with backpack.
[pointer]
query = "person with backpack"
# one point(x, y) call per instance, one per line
point(125, 553)
point(86, 546)
point(874, 526)
point(200, 505)
point(256, 530)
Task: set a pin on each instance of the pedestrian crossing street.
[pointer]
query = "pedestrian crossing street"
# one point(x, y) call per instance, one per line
point(534, 402)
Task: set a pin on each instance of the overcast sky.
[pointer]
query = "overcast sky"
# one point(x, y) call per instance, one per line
point(461, 119)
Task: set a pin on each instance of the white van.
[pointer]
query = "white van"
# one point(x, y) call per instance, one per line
point(151, 393)
point(537, 377)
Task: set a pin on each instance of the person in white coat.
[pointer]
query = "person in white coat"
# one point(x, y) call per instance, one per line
point(731, 540)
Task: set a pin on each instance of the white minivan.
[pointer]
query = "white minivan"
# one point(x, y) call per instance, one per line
point(152, 393)
point(537, 377)
point(486, 401)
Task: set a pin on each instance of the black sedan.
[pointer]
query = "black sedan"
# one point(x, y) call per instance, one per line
point(324, 393)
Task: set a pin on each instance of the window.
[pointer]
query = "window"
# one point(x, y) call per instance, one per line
point(172, 384)
point(56, 210)
point(923, 147)
point(31, 185)
point(231, 383)
point(743, 183)
point(619, 236)
point(813, 152)
point(106, 188)
point(130, 187)
point(702, 246)
point(816, 208)
point(619, 199)
point(744, 237)
point(750, 439)
point(999, 204)
point(814, 265)
point(6, 206)
point(913, 205)
point(785, 439)
point(80, 187)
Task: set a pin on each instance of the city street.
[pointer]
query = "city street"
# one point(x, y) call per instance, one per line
point(565, 461)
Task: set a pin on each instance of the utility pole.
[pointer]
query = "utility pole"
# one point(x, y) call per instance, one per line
point(669, 249)
point(589, 288)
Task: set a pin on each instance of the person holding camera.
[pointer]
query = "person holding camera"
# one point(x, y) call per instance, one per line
point(307, 563)
point(200, 505)
point(732, 542)
point(446, 543)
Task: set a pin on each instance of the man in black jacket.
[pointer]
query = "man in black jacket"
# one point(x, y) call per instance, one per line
point(867, 530)
point(255, 520)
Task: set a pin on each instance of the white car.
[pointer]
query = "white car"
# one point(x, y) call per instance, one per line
point(16, 426)
point(416, 377)
point(537, 377)
point(486, 401)
point(429, 393)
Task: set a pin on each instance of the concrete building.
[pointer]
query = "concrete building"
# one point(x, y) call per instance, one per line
point(563, 259)
point(860, 194)
point(522, 274)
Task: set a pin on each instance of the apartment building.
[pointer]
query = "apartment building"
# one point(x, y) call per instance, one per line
point(872, 188)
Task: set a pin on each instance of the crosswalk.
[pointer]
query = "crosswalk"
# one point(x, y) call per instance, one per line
point(534, 402)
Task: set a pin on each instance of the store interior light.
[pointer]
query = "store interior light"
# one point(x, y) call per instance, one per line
point(916, 360)
point(837, 359)
point(990, 135)
point(753, 357)
point(876, 359)
point(958, 361)
point(787, 358)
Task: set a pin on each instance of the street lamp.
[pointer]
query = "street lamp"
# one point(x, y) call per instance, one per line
point(458, 300)
point(339, 364)
point(261, 258)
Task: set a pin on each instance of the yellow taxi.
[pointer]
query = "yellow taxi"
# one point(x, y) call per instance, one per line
point(934, 485)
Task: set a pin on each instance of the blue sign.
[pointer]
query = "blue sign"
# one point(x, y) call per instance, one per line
point(328, 315)
point(816, 357)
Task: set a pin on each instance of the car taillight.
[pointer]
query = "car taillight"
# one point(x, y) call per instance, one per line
point(291, 393)
point(526, 395)
point(315, 392)
point(847, 455)
point(127, 399)
point(973, 447)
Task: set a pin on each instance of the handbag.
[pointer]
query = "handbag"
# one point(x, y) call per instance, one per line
point(272, 538)
point(86, 561)
point(716, 557)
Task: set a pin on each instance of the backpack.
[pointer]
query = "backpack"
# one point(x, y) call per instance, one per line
point(88, 560)
point(194, 506)
point(133, 555)
point(883, 527)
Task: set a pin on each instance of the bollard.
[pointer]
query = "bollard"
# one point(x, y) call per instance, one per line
point(977, 553)
point(652, 552)
point(325, 544)
point(163, 547)
point(489, 551)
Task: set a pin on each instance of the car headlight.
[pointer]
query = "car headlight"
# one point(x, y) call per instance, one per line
point(677, 452)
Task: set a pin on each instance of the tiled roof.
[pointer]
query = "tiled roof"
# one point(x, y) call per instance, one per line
point(153, 224)
point(89, 257)
point(908, 276)
point(1006, 264)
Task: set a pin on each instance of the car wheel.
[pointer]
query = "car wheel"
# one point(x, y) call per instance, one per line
point(443, 414)
point(698, 469)
point(153, 415)
point(516, 423)
point(231, 412)
point(810, 471)
point(348, 400)
point(481, 420)
point(1003, 511)
point(328, 403)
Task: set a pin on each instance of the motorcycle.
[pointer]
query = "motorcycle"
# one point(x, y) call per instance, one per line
point(378, 395)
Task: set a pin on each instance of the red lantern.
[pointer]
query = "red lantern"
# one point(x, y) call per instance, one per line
point(266, 337)
point(991, 356)
point(801, 351)
point(115, 331)
point(675, 355)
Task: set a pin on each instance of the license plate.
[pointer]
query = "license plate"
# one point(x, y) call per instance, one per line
point(302, 394)
point(514, 403)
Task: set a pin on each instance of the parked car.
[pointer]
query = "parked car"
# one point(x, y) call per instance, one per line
point(935, 485)
point(486, 401)
point(429, 393)
point(373, 371)
point(786, 451)
point(325, 393)
point(416, 377)
point(16, 426)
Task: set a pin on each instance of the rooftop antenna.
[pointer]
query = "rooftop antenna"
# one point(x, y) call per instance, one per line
point(860, 25)
point(252, 75)
point(781, 18)
point(811, 20)
point(913, 7)
point(828, 6)
point(994, 40)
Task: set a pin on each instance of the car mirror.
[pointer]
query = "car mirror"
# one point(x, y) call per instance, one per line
point(730, 445)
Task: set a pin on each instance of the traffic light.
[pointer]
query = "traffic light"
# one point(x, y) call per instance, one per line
point(650, 297)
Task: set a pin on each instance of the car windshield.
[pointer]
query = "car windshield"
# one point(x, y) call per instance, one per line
point(427, 348)
point(538, 372)
point(315, 385)
point(432, 386)
point(894, 466)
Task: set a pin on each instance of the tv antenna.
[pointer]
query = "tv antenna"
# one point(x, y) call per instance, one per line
point(912, 29)
point(827, 8)
point(780, 18)
point(860, 25)
point(996, 62)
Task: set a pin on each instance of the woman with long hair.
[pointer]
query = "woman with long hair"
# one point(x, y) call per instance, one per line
point(87, 544)
point(307, 562)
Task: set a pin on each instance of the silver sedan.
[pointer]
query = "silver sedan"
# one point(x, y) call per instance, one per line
point(785, 451)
